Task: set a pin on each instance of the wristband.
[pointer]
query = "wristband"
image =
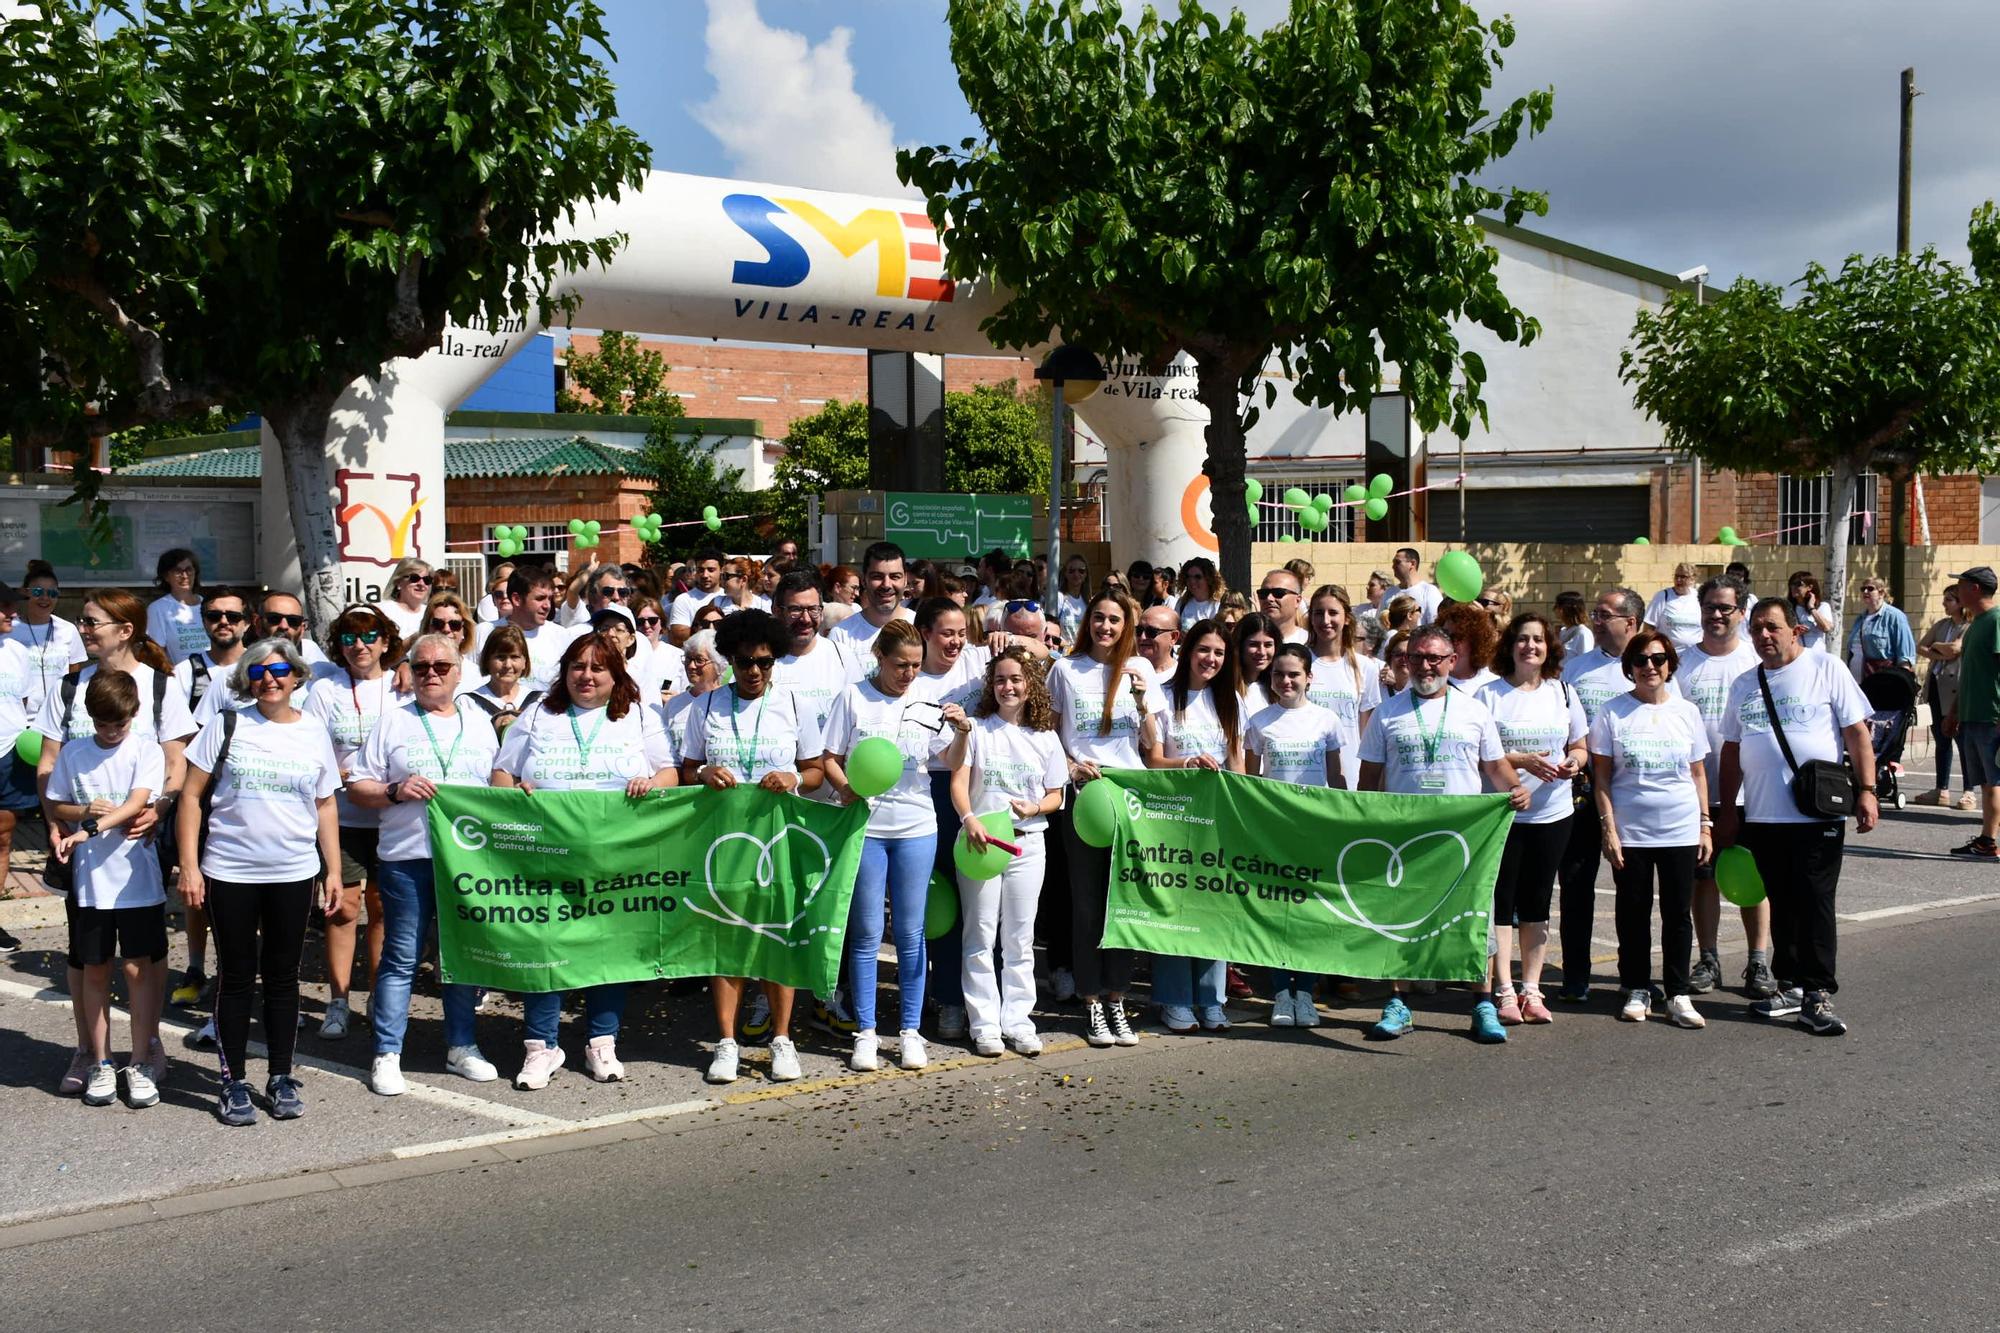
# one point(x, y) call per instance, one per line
point(395, 793)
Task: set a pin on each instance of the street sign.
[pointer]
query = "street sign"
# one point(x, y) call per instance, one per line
point(959, 526)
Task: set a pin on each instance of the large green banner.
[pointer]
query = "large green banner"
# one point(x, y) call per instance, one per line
point(557, 890)
point(1361, 884)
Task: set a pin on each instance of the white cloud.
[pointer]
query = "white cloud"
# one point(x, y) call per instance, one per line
point(786, 111)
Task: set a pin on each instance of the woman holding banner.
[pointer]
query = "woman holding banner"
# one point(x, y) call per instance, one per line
point(898, 853)
point(1102, 695)
point(437, 739)
point(590, 734)
point(1343, 679)
point(747, 732)
point(1202, 728)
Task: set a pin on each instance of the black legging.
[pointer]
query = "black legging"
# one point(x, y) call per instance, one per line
point(1674, 867)
point(258, 928)
point(1099, 971)
point(1579, 896)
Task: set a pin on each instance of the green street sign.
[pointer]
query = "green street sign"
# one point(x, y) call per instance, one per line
point(935, 526)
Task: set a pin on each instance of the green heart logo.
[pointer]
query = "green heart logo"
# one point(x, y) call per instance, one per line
point(1380, 867)
point(753, 900)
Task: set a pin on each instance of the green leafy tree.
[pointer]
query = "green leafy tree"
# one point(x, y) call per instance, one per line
point(1891, 364)
point(827, 451)
point(260, 204)
point(1186, 185)
point(621, 378)
point(687, 477)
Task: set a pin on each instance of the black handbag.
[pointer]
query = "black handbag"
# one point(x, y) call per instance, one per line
point(1821, 788)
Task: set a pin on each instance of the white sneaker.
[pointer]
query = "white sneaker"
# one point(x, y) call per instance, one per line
point(914, 1055)
point(866, 1058)
point(600, 1060)
point(469, 1064)
point(1062, 982)
point(1283, 1015)
point(722, 1069)
point(1638, 1004)
point(385, 1076)
point(989, 1044)
point(538, 1066)
point(208, 1039)
point(1681, 1010)
point(1305, 1013)
point(140, 1089)
point(785, 1060)
point(1025, 1041)
point(334, 1026)
point(156, 1061)
point(101, 1089)
point(951, 1021)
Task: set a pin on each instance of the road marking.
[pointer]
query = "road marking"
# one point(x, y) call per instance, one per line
point(1826, 1233)
point(1906, 909)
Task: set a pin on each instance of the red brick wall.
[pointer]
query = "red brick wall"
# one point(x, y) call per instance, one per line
point(1750, 505)
point(477, 502)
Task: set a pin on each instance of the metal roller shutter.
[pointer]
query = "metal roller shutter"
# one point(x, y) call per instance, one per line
point(1577, 514)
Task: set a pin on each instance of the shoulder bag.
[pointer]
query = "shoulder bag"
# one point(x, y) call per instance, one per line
point(1821, 788)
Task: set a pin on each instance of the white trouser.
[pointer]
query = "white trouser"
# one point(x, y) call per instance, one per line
point(1002, 911)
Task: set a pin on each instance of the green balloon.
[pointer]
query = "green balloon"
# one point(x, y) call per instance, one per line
point(1096, 814)
point(1726, 537)
point(1376, 508)
point(1297, 497)
point(1253, 490)
point(1322, 502)
point(1312, 520)
point(714, 523)
point(1355, 494)
point(1380, 485)
point(874, 766)
point(1288, 537)
point(1736, 876)
point(709, 511)
point(989, 861)
point(1459, 577)
point(28, 747)
point(576, 527)
point(1642, 541)
point(1256, 513)
point(941, 907)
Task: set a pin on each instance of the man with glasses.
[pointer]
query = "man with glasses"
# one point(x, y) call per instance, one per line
point(1403, 567)
point(815, 668)
point(1278, 598)
point(283, 616)
point(54, 646)
point(1707, 672)
point(1159, 639)
point(885, 582)
point(706, 572)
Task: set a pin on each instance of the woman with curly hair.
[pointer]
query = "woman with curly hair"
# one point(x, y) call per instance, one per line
point(1474, 638)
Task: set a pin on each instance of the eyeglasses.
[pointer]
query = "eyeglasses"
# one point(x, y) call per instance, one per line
point(808, 612)
point(1600, 615)
point(275, 670)
point(181, 569)
point(350, 638)
point(92, 622)
point(1023, 604)
point(648, 622)
point(755, 663)
point(448, 626)
point(289, 622)
point(224, 617)
point(1277, 592)
point(431, 668)
point(1655, 660)
point(39, 591)
point(1429, 659)
point(1718, 609)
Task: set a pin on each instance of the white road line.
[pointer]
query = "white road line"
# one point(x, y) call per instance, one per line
point(1826, 1233)
point(553, 1127)
point(1906, 909)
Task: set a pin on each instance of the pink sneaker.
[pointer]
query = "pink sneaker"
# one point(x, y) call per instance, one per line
point(80, 1065)
point(600, 1060)
point(540, 1063)
point(1509, 1006)
point(1532, 1009)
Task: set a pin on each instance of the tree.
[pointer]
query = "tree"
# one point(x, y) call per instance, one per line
point(620, 377)
point(1891, 364)
point(827, 451)
point(1183, 185)
point(240, 202)
point(686, 477)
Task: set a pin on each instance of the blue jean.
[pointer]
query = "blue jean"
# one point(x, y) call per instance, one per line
point(1293, 980)
point(541, 1014)
point(1188, 983)
point(408, 908)
point(895, 872)
point(944, 981)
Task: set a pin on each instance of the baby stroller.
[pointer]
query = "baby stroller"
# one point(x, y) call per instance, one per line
point(1892, 694)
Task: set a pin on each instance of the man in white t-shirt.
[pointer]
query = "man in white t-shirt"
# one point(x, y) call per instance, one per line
point(1821, 713)
point(706, 572)
point(885, 582)
point(1279, 597)
point(1676, 611)
point(1404, 566)
point(815, 669)
point(1159, 639)
point(283, 616)
point(534, 592)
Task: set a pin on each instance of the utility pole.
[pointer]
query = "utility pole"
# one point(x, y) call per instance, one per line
point(1899, 477)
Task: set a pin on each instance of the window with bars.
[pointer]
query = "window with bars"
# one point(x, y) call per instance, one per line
point(1275, 521)
point(1802, 506)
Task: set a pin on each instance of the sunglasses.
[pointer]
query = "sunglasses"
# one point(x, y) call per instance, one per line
point(431, 668)
point(755, 663)
point(648, 622)
point(616, 594)
point(1277, 592)
point(1655, 660)
point(1023, 604)
point(448, 626)
point(349, 638)
point(416, 578)
point(289, 622)
point(224, 617)
point(1154, 631)
point(44, 592)
point(276, 671)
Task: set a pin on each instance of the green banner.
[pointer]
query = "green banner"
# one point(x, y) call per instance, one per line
point(557, 890)
point(1359, 884)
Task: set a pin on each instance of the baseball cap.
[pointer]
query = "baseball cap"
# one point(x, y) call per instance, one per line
point(613, 611)
point(1982, 575)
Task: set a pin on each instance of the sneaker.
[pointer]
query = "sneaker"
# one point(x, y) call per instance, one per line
point(988, 1044)
point(785, 1061)
point(489, 1002)
point(1025, 1041)
point(1062, 984)
point(1121, 1023)
point(834, 1016)
point(914, 1054)
point(189, 992)
point(77, 1075)
point(1969, 801)
point(758, 1025)
point(1705, 975)
point(1758, 983)
point(1576, 995)
point(140, 1089)
point(722, 1069)
point(1534, 1009)
point(600, 1060)
point(8, 944)
point(1282, 1014)
point(282, 1090)
point(1213, 1019)
point(470, 1065)
point(334, 1026)
point(1815, 1015)
point(1395, 1020)
point(539, 1062)
point(1681, 1013)
point(1099, 1032)
point(234, 1106)
point(156, 1061)
point(1935, 796)
point(1979, 849)
point(206, 1038)
point(1305, 1013)
point(951, 1023)
point(385, 1076)
point(866, 1056)
point(101, 1089)
point(1780, 1004)
point(1509, 1008)
point(1638, 1004)
point(1236, 985)
point(1178, 1018)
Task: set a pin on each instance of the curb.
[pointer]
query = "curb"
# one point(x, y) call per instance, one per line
point(31, 913)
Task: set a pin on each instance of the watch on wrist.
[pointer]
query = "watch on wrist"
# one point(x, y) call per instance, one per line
point(395, 793)
point(89, 825)
point(1869, 788)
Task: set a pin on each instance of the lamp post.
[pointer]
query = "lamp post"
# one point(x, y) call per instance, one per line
point(1066, 364)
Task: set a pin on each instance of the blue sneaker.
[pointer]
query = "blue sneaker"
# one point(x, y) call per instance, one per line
point(1395, 1020)
point(1486, 1027)
point(286, 1104)
point(234, 1107)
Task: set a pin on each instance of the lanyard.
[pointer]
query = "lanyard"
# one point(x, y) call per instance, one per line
point(746, 759)
point(438, 753)
point(582, 745)
point(41, 650)
point(1431, 742)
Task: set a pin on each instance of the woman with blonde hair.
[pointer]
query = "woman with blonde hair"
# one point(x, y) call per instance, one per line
point(1342, 680)
point(446, 614)
point(403, 598)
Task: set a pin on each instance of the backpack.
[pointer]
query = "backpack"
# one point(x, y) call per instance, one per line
point(198, 678)
point(69, 688)
point(494, 710)
point(59, 876)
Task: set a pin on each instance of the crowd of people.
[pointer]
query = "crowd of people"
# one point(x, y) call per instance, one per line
point(205, 744)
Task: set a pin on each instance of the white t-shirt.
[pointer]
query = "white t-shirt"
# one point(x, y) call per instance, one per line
point(1255, 700)
point(818, 677)
point(176, 626)
point(1333, 686)
point(1704, 681)
point(917, 726)
point(1076, 689)
point(856, 638)
point(1296, 634)
point(17, 685)
point(1435, 751)
point(404, 619)
point(1546, 720)
point(349, 709)
point(215, 680)
point(52, 650)
point(175, 724)
point(485, 610)
point(1010, 762)
point(1292, 743)
point(674, 718)
point(1597, 677)
point(1576, 641)
point(111, 870)
point(1816, 697)
point(1676, 615)
point(1475, 682)
point(584, 749)
point(1651, 748)
point(751, 737)
point(1197, 729)
point(1069, 614)
point(454, 751)
point(962, 684)
point(1428, 599)
point(684, 606)
point(263, 823)
point(1193, 612)
point(662, 667)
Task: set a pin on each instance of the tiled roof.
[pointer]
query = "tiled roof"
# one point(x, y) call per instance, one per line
point(240, 462)
point(561, 456)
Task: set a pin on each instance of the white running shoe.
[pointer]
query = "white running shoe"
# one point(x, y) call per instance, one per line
point(600, 1060)
point(1025, 1041)
point(102, 1087)
point(866, 1057)
point(1681, 1010)
point(334, 1026)
point(385, 1076)
point(1283, 1015)
point(914, 1055)
point(722, 1069)
point(785, 1061)
point(1638, 1005)
point(469, 1064)
point(538, 1065)
point(988, 1044)
point(140, 1089)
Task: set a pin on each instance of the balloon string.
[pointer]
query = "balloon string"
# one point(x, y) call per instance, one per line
point(481, 543)
point(1357, 504)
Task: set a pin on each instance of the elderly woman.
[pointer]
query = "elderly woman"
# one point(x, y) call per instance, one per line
point(1676, 611)
point(1881, 636)
point(403, 599)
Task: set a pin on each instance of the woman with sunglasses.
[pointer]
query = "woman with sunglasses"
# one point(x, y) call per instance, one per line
point(349, 701)
point(1202, 589)
point(1647, 753)
point(53, 644)
point(445, 614)
point(410, 584)
point(1344, 680)
point(747, 732)
point(651, 620)
point(435, 740)
point(259, 871)
point(898, 855)
point(174, 619)
point(708, 617)
point(592, 733)
point(1257, 640)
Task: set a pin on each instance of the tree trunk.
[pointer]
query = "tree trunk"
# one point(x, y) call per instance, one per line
point(1216, 385)
point(312, 498)
point(1839, 518)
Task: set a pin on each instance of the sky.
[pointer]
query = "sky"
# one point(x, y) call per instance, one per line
point(1752, 136)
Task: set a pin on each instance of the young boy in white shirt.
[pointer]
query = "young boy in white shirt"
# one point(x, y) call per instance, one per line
point(117, 905)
